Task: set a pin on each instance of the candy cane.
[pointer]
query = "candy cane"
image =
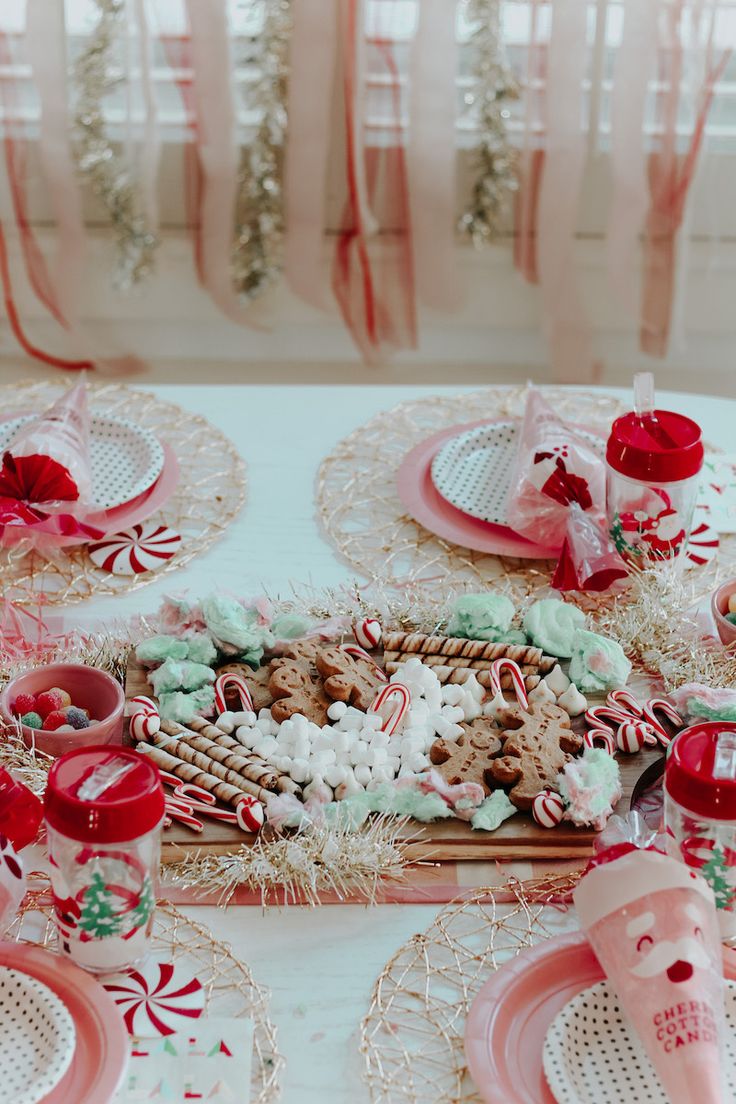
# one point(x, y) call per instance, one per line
point(403, 701)
point(661, 705)
point(360, 653)
point(189, 821)
point(600, 737)
point(625, 700)
point(232, 678)
point(517, 678)
point(608, 715)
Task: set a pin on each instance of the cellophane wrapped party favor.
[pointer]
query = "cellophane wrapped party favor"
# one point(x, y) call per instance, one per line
point(555, 466)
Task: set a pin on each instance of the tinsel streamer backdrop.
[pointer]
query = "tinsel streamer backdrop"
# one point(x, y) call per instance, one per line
point(98, 161)
point(412, 1038)
point(257, 255)
point(494, 86)
point(229, 986)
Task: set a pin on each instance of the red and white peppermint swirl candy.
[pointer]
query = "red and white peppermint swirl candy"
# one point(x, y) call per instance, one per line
point(548, 808)
point(702, 544)
point(632, 735)
point(360, 653)
point(141, 704)
point(500, 665)
point(624, 699)
point(368, 632)
point(399, 696)
point(661, 705)
point(232, 678)
point(144, 547)
point(250, 814)
point(144, 725)
point(157, 999)
point(600, 737)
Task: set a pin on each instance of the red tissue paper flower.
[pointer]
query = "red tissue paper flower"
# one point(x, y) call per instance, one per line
point(36, 478)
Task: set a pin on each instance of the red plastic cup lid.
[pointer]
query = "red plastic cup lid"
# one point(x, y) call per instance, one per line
point(700, 773)
point(661, 448)
point(104, 795)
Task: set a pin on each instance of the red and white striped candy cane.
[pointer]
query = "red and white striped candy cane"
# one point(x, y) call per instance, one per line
point(613, 716)
point(600, 737)
point(661, 705)
point(517, 678)
point(402, 696)
point(357, 652)
point(624, 699)
point(175, 810)
point(232, 678)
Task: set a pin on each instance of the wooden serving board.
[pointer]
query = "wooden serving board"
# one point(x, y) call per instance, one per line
point(519, 837)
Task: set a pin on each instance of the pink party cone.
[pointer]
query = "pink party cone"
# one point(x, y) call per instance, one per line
point(652, 923)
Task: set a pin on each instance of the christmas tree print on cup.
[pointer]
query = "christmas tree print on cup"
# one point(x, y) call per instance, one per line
point(104, 810)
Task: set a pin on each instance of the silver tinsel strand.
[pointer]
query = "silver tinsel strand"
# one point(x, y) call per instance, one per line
point(97, 161)
point(256, 259)
point(495, 160)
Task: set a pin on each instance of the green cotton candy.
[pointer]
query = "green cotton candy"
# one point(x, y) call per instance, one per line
point(481, 616)
point(158, 648)
point(236, 627)
point(513, 636)
point(176, 674)
point(492, 812)
point(201, 649)
point(697, 708)
point(183, 708)
point(598, 663)
point(395, 800)
point(291, 626)
point(551, 625)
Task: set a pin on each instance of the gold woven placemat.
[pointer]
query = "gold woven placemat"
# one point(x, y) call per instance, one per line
point(412, 1038)
point(363, 517)
point(209, 495)
point(229, 986)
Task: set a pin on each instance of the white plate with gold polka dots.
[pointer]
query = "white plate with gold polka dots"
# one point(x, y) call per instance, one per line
point(37, 1038)
point(592, 1054)
point(126, 459)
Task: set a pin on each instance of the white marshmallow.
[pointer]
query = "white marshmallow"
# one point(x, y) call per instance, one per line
point(248, 737)
point(226, 722)
point(335, 775)
point(362, 774)
point(246, 717)
point(300, 770)
point(447, 731)
point(452, 713)
point(337, 710)
point(452, 694)
point(417, 763)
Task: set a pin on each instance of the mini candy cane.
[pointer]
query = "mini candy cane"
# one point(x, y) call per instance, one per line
point(612, 716)
point(517, 678)
point(403, 701)
point(661, 705)
point(624, 699)
point(548, 809)
point(141, 704)
point(600, 737)
point(360, 653)
point(232, 678)
point(176, 812)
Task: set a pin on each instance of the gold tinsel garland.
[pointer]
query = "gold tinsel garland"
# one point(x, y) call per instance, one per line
point(97, 160)
point(494, 85)
point(256, 260)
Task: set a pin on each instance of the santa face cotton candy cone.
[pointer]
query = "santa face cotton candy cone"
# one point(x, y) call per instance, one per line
point(652, 923)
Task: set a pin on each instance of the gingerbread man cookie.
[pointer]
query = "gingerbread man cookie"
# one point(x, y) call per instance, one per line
point(469, 758)
point(257, 684)
point(347, 678)
point(537, 743)
point(295, 691)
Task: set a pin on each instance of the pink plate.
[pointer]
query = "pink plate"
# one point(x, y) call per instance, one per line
point(508, 1020)
point(424, 502)
point(102, 1048)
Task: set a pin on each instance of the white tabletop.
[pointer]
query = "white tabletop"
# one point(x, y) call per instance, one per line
point(319, 964)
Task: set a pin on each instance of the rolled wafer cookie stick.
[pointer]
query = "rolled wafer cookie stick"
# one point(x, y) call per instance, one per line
point(422, 644)
point(229, 795)
point(283, 783)
point(459, 675)
point(543, 667)
point(183, 751)
point(255, 770)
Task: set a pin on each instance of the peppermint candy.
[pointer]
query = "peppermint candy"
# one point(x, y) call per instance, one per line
point(368, 632)
point(250, 814)
point(144, 547)
point(158, 999)
point(144, 725)
point(632, 735)
point(548, 809)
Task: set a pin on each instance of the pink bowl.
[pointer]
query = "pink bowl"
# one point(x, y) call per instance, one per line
point(89, 687)
point(719, 606)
